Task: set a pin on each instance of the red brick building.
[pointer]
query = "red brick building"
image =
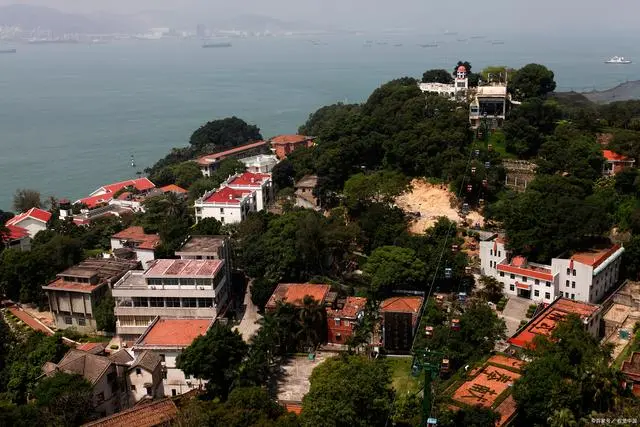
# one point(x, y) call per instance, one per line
point(342, 319)
point(283, 145)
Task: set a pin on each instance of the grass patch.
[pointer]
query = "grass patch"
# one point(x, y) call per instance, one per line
point(401, 378)
point(632, 345)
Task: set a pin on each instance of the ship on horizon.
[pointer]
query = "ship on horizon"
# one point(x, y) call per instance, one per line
point(52, 41)
point(216, 44)
point(618, 60)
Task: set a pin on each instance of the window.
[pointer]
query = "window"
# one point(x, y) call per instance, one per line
point(82, 321)
point(68, 320)
point(156, 302)
point(205, 302)
point(548, 284)
point(221, 210)
point(162, 358)
point(511, 287)
point(536, 293)
point(140, 302)
point(573, 296)
point(222, 219)
point(568, 271)
point(491, 252)
point(190, 302)
point(149, 391)
point(573, 285)
point(547, 295)
point(499, 253)
point(138, 371)
point(524, 279)
point(574, 271)
point(173, 302)
point(502, 274)
point(537, 282)
point(513, 276)
point(346, 323)
point(567, 283)
point(173, 392)
point(337, 322)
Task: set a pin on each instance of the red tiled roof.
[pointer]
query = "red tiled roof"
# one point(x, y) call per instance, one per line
point(294, 293)
point(528, 271)
point(124, 196)
point(289, 139)
point(402, 304)
point(612, 156)
point(250, 179)
point(34, 213)
point(15, 233)
point(184, 267)
point(140, 184)
point(72, 286)
point(174, 332)
point(213, 157)
point(296, 408)
point(92, 201)
point(158, 413)
point(137, 234)
point(173, 188)
point(351, 307)
point(227, 195)
point(595, 257)
point(546, 321)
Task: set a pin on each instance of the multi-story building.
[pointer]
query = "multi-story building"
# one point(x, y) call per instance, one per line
point(105, 193)
point(15, 238)
point(259, 183)
point(304, 192)
point(615, 163)
point(489, 107)
point(227, 205)
point(207, 247)
point(76, 292)
point(283, 145)
point(209, 162)
point(142, 244)
point(294, 293)
point(167, 337)
point(584, 276)
point(262, 163)
point(342, 319)
point(187, 288)
point(453, 91)
point(145, 375)
point(400, 318)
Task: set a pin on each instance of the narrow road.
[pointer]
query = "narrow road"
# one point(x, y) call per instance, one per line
point(249, 324)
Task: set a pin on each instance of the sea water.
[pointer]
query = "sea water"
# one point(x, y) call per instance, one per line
point(71, 116)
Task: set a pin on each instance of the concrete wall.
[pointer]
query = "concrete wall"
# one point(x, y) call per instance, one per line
point(138, 377)
point(176, 383)
point(33, 226)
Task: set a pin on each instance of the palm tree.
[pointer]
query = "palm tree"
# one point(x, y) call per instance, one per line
point(174, 205)
point(562, 418)
point(312, 322)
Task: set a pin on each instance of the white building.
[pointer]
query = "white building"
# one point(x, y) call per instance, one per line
point(262, 163)
point(135, 239)
point(33, 220)
point(585, 276)
point(260, 183)
point(226, 204)
point(146, 377)
point(167, 338)
point(171, 288)
point(489, 107)
point(454, 91)
point(16, 238)
point(207, 247)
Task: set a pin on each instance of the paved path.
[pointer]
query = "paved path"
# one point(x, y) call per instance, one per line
point(514, 312)
point(249, 324)
point(30, 321)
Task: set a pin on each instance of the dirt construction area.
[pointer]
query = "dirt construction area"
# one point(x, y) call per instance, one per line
point(432, 201)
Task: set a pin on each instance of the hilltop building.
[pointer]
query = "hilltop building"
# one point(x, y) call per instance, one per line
point(400, 318)
point(489, 107)
point(262, 163)
point(75, 293)
point(136, 240)
point(614, 163)
point(342, 319)
point(210, 162)
point(33, 221)
point(584, 276)
point(304, 192)
point(283, 145)
point(458, 89)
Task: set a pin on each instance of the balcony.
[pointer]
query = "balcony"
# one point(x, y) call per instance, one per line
point(205, 312)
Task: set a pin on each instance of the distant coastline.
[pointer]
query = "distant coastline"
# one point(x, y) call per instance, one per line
point(623, 92)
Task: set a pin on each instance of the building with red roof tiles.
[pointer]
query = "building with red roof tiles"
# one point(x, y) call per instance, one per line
point(16, 238)
point(104, 194)
point(584, 276)
point(400, 318)
point(33, 220)
point(342, 319)
point(142, 244)
point(615, 163)
point(172, 188)
point(295, 293)
point(75, 293)
point(227, 205)
point(186, 288)
point(209, 162)
point(547, 320)
point(159, 413)
point(283, 145)
point(167, 337)
point(260, 183)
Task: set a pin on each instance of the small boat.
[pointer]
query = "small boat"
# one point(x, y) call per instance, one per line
point(217, 44)
point(618, 60)
point(429, 45)
point(496, 42)
point(8, 51)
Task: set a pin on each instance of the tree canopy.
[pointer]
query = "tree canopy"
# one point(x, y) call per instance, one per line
point(437, 76)
point(224, 133)
point(394, 268)
point(25, 199)
point(531, 81)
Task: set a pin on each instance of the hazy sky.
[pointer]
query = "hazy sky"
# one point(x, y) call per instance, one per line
point(511, 15)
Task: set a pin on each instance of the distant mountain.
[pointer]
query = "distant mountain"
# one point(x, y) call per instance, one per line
point(29, 17)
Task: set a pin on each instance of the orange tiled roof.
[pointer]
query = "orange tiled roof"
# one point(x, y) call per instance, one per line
point(294, 293)
point(174, 332)
point(351, 307)
point(545, 322)
point(402, 304)
point(612, 156)
point(528, 271)
point(289, 139)
point(137, 234)
point(72, 286)
point(158, 413)
point(173, 188)
point(595, 257)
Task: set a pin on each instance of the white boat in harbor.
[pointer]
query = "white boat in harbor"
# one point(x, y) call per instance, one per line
point(618, 60)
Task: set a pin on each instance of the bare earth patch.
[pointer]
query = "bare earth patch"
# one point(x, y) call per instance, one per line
point(432, 201)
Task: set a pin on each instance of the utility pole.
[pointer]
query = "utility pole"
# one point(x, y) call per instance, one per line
point(430, 362)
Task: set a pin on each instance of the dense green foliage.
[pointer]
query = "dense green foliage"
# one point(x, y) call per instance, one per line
point(531, 81)
point(64, 399)
point(437, 76)
point(348, 391)
point(25, 199)
point(104, 313)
